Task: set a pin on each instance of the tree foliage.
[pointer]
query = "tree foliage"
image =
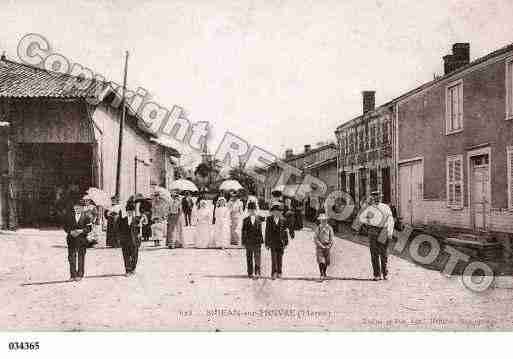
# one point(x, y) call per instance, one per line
point(244, 178)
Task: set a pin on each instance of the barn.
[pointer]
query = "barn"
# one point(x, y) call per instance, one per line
point(54, 138)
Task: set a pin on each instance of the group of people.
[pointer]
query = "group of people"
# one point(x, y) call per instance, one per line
point(234, 223)
point(216, 224)
point(79, 223)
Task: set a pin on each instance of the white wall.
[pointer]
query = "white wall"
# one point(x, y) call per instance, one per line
point(437, 211)
point(134, 145)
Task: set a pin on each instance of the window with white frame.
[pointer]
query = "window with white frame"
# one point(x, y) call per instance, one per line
point(509, 89)
point(454, 107)
point(509, 152)
point(455, 181)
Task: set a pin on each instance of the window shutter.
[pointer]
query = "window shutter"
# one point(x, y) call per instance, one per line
point(510, 176)
point(460, 106)
point(450, 179)
point(455, 182)
point(458, 195)
point(509, 81)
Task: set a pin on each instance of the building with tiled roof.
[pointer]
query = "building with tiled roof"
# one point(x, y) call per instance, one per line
point(60, 133)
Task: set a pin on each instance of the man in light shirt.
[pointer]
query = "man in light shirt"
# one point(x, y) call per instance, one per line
point(378, 222)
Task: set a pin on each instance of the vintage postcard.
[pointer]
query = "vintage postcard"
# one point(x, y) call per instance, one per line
point(282, 165)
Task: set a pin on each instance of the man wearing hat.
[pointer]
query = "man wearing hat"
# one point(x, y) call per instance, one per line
point(252, 240)
point(323, 238)
point(111, 215)
point(276, 239)
point(378, 222)
point(78, 223)
point(129, 237)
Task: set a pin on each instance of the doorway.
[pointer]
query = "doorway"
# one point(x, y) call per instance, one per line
point(410, 190)
point(480, 191)
point(46, 172)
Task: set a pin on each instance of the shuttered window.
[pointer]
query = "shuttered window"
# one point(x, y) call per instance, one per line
point(454, 108)
point(510, 176)
point(509, 89)
point(372, 136)
point(455, 182)
point(386, 132)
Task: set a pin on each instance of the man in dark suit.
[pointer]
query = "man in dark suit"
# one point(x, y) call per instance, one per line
point(111, 239)
point(252, 239)
point(187, 205)
point(130, 237)
point(78, 223)
point(276, 239)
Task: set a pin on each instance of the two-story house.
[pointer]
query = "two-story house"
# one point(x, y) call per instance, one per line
point(455, 144)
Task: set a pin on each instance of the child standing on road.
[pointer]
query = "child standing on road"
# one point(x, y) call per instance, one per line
point(323, 238)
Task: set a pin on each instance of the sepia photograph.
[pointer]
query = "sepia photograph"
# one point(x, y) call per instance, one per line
point(255, 166)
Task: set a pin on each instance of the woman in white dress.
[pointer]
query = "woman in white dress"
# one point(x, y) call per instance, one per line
point(221, 238)
point(236, 212)
point(202, 231)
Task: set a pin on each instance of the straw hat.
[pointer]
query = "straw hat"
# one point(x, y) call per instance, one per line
point(322, 216)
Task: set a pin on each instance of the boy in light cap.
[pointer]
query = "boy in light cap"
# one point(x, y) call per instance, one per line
point(323, 238)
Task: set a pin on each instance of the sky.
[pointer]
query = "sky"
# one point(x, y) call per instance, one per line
point(278, 73)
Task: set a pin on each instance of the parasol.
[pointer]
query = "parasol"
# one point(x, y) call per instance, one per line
point(163, 193)
point(230, 185)
point(183, 185)
point(99, 197)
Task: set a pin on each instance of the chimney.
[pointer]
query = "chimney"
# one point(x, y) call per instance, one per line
point(289, 153)
point(369, 101)
point(308, 148)
point(460, 57)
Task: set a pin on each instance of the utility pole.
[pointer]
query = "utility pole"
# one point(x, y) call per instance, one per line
point(121, 127)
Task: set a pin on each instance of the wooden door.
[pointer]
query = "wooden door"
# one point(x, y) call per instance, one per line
point(410, 191)
point(480, 195)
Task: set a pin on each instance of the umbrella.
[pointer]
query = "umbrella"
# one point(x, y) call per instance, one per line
point(183, 185)
point(163, 193)
point(230, 185)
point(99, 197)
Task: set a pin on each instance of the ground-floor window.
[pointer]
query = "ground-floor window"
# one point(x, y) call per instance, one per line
point(455, 181)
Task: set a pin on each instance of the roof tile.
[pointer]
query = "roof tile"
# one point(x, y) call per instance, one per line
point(19, 80)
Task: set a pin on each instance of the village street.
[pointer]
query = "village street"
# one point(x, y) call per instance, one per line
point(194, 289)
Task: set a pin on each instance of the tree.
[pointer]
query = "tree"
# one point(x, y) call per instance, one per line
point(244, 178)
point(206, 173)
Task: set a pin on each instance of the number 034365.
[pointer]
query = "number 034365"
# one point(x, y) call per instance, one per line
point(23, 345)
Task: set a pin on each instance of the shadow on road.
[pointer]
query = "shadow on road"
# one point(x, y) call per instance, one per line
point(307, 279)
point(88, 248)
point(49, 282)
point(69, 280)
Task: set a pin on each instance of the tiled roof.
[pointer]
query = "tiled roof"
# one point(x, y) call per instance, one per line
point(19, 80)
